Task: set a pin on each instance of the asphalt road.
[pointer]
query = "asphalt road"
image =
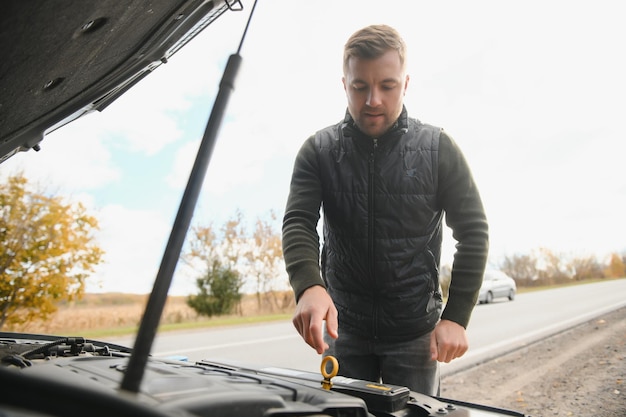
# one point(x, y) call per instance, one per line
point(494, 330)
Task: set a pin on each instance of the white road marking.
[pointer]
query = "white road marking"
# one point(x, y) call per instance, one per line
point(227, 345)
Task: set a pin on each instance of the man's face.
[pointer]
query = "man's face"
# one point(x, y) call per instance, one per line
point(375, 89)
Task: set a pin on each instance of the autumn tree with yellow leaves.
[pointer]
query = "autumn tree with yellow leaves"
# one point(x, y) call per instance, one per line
point(47, 251)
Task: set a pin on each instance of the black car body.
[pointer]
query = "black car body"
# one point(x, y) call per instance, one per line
point(44, 375)
point(61, 60)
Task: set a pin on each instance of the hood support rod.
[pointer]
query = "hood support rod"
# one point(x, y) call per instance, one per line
point(156, 302)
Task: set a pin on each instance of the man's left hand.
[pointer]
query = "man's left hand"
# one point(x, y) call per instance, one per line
point(448, 341)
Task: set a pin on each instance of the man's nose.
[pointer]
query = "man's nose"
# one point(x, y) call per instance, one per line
point(374, 97)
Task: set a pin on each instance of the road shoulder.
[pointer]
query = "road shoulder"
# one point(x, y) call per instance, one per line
point(580, 371)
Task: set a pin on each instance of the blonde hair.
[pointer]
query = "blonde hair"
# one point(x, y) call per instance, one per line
point(372, 42)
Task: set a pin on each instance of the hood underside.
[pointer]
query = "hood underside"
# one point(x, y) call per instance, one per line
point(63, 59)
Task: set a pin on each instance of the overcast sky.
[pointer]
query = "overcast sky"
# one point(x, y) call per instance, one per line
point(534, 93)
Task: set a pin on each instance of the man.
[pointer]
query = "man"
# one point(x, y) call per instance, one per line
point(384, 182)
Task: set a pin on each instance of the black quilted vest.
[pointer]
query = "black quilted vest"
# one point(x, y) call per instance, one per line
point(382, 228)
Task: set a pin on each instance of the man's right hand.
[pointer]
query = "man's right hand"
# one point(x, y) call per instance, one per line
point(314, 307)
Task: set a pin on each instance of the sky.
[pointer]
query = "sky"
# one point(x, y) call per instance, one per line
point(533, 92)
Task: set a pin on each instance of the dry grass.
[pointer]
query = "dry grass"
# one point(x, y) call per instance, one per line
point(117, 313)
point(120, 313)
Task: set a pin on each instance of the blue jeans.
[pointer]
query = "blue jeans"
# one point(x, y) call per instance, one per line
point(406, 364)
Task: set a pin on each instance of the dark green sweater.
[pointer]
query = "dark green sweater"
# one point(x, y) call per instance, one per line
point(457, 196)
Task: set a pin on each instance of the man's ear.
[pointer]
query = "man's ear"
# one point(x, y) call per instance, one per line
point(406, 83)
point(343, 81)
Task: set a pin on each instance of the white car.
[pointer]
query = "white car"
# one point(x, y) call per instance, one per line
point(496, 284)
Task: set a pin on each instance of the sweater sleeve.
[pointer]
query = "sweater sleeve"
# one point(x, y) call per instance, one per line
point(302, 213)
point(459, 197)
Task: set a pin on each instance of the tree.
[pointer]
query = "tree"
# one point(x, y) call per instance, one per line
point(586, 267)
point(219, 287)
point(48, 250)
point(616, 267)
point(266, 259)
point(522, 268)
point(219, 291)
point(256, 258)
point(554, 269)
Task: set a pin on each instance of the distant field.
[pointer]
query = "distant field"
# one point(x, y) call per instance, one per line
point(117, 313)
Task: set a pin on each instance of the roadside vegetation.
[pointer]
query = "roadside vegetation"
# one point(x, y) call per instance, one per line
point(114, 314)
point(49, 251)
point(543, 269)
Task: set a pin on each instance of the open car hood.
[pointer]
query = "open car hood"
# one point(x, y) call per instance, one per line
point(63, 59)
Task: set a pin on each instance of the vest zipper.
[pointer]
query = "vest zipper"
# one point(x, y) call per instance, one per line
point(370, 239)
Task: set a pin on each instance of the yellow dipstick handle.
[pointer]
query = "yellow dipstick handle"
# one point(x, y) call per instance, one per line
point(326, 384)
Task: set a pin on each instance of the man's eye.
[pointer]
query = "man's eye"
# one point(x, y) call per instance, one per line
point(359, 87)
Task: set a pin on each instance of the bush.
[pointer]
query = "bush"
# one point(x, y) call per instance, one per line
point(218, 292)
